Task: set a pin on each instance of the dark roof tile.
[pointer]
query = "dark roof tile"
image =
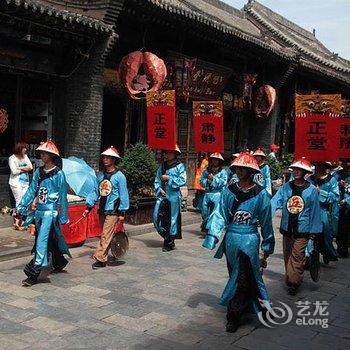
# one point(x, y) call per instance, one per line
point(45, 8)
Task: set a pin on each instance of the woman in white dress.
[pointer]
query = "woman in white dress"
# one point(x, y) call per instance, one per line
point(20, 165)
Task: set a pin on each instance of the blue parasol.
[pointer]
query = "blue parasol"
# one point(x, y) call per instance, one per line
point(80, 177)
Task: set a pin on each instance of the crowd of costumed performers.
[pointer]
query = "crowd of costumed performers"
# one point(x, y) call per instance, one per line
point(315, 204)
point(237, 205)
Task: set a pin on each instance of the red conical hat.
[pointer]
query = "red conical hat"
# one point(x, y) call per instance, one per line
point(49, 147)
point(111, 152)
point(246, 160)
point(217, 156)
point(259, 152)
point(175, 149)
point(303, 164)
point(234, 155)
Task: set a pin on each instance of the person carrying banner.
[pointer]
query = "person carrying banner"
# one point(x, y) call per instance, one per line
point(202, 163)
point(301, 221)
point(231, 175)
point(214, 179)
point(263, 178)
point(112, 190)
point(244, 206)
point(343, 237)
point(48, 190)
point(170, 177)
point(329, 196)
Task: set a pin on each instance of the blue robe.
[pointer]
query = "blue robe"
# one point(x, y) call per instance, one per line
point(231, 176)
point(112, 190)
point(212, 191)
point(343, 236)
point(308, 220)
point(242, 235)
point(329, 196)
point(167, 211)
point(264, 178)
point(50, 189)
point(347, 191)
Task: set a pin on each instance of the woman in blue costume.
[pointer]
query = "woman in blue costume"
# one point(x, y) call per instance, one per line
point(329, 195)
point(343, 237)
point(243, 207)
point(263, 178)
point(112, 191)
point(48, 190)
point(170, 177)
point(301, 221)
point(214, 179)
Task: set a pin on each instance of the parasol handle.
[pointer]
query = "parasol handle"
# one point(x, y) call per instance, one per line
point(77, 222)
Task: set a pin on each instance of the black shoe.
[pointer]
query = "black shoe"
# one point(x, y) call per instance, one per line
point(169, 245)
point(98, 264)
point(325, 260)
point(293, 290)
point(232, 326)
point(28, 282)
point(168, 248)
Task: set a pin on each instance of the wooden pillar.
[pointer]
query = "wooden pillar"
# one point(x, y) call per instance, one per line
point(18, 116)
point(127, 125)
point(188, 141)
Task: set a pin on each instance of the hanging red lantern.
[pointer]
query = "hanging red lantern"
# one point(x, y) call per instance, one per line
point(264, 101)
point(137, 84)
point(4, 121)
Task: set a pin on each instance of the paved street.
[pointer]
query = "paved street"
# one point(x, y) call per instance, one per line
point(160, 300)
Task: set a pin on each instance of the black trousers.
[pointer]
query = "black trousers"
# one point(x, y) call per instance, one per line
point(343, 237)
point(246, 292)
point(56, 257)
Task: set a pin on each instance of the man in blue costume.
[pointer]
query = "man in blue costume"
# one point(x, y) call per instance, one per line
point(170, 177)
point(48, 190)
point(243, 207)
point(113, 193)
point(343, 237)
point(214, 179)
point(301, 221)
point(329, 196)
point(263, 178)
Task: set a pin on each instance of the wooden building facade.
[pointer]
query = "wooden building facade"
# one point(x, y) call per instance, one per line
point(59, 61)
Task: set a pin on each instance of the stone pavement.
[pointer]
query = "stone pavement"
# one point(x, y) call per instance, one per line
point(15, 244)
point(159, 300)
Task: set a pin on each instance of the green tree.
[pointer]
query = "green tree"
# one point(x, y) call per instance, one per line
point(139, 166)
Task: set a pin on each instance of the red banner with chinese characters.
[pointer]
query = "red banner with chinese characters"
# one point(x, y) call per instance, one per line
point(317, 136)
point(161, 121)
point(208, 126)
point(208, 133)
point(343, 135)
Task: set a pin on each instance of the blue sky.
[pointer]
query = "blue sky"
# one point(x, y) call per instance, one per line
point(330, 18)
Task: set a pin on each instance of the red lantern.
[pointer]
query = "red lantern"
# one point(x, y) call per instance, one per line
point(153, 78)
point(264, 101)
